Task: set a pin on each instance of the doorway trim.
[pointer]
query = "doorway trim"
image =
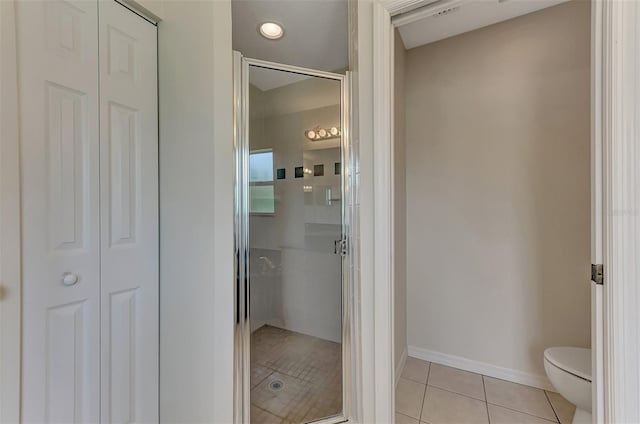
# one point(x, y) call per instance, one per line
point(616, 200)
point(618, 136)
point(10, 235)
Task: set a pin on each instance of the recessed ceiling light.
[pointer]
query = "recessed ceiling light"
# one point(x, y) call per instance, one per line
point(271, 30)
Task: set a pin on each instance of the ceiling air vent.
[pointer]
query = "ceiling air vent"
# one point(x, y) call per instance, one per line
point(434, 9)
point(446, 11)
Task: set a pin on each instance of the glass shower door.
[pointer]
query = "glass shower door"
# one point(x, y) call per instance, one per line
point(294, 235)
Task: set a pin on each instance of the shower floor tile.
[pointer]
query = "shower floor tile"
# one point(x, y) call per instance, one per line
point(295, 378)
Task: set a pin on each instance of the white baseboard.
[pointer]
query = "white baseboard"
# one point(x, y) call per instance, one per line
point(400, 366)
point(515, 376)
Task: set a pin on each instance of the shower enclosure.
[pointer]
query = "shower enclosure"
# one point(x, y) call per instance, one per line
point(293, 251)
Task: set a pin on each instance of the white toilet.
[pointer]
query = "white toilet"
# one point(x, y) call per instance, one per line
point(569, 369)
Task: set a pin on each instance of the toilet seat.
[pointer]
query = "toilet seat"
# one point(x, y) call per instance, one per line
point(574, 360)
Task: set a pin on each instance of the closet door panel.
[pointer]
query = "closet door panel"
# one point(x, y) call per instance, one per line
point(129, 214)
point(58, 89)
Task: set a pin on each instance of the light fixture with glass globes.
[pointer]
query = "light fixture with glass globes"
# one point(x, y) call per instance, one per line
point(271, 30)
point(322, 133)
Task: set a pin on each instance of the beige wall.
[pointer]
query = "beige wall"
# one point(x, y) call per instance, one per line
point(498, 190)
point(399, 224)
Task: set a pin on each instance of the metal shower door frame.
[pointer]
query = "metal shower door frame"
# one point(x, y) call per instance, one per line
point(242, 331)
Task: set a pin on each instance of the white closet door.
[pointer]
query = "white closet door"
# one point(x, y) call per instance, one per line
point(58, 89)
point(129, 215)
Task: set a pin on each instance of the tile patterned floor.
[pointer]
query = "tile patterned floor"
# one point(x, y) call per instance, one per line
point(430, 393)
point(295, 378)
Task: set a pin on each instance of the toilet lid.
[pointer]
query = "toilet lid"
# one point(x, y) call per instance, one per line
point(574, 360)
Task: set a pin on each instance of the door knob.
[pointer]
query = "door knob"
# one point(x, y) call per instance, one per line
point(69, 279)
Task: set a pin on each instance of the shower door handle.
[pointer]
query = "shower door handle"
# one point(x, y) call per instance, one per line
point(340, 247)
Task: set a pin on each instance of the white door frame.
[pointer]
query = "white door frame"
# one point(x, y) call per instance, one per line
point(10, 238)
point(372, 135)
point(597, 319)
point(615, 197)
point(619, 135)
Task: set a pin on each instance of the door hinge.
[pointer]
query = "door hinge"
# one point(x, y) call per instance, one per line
point(340, 247)
point(597, 273)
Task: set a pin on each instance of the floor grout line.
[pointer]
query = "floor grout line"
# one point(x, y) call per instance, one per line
point(424, 395)
point(551, 404)
point(268, 412)
point(486, 401)
point(443, 389)
point(509, 381)
point(456, 393)
point(263, 379)
point(405, 415)
point(522, 412)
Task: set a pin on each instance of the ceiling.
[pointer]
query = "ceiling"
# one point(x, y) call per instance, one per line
point(460, 16)
point(315, 35)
